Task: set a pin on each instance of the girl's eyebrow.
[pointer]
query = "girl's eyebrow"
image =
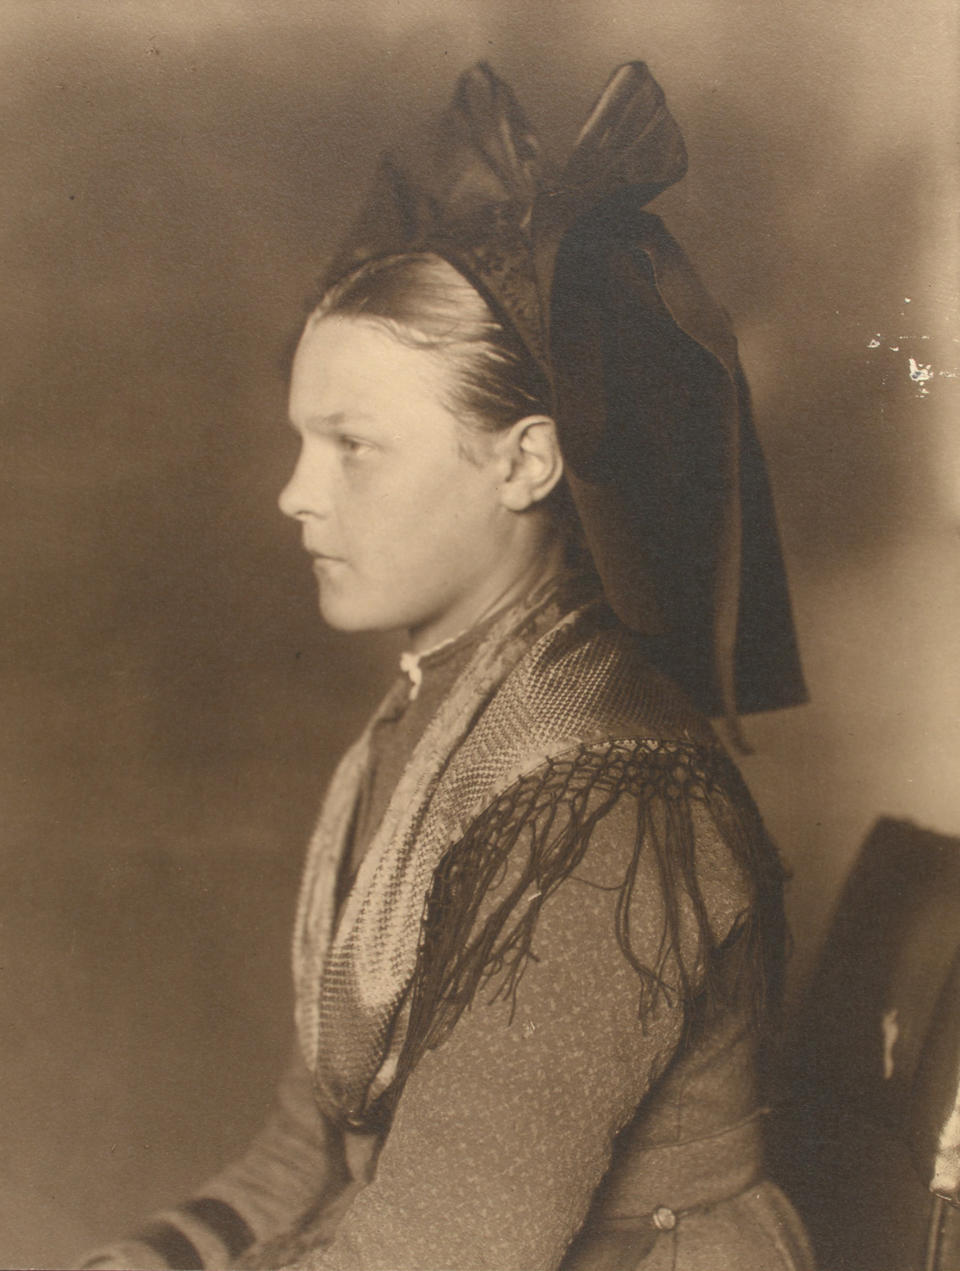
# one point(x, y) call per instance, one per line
point(331, 422)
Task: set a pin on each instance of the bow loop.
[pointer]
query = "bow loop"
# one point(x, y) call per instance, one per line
point(485, 122)
point(629, 139)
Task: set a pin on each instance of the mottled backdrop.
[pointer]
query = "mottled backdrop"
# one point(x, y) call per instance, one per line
point(173, 172)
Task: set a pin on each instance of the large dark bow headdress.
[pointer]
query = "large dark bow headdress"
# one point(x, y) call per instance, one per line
point(651, 405)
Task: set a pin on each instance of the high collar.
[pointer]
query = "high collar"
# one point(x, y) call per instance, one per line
point(415, 664)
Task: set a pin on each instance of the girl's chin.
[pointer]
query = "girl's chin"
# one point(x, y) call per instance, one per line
point(341, 615)
point(423, 632)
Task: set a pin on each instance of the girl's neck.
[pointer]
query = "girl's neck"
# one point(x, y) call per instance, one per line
point(538, 569)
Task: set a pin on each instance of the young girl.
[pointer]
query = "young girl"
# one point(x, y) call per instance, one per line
point(540, 928)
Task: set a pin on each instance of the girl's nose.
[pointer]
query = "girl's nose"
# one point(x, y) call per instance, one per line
point(302, 495)
point(288, 502)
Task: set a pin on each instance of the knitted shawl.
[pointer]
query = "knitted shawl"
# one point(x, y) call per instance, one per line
point(555, 717)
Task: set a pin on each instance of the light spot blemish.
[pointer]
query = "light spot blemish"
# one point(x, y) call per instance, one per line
point(891, 1033)
point(920, 372)
point(874, 343)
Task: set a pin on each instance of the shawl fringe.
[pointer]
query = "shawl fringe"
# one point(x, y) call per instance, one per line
point(546, 821)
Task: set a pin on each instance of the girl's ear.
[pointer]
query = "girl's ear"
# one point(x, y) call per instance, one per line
point(529, 460)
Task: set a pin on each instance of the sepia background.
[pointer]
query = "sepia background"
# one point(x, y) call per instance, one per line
point(174, 173)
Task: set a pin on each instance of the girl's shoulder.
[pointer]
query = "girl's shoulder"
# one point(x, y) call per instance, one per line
point(585, 687)
point(592, 674)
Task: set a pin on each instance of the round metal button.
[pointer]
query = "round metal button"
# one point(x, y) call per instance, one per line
point(664, 1219)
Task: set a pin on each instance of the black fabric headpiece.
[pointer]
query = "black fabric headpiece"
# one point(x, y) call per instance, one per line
point(651, 404)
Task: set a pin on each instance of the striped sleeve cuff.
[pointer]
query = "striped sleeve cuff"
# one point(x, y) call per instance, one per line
point(222, 1219)
point(202, 1234)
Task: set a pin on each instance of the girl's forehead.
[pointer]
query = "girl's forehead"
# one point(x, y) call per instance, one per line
point(349, 358)
point(348, 372)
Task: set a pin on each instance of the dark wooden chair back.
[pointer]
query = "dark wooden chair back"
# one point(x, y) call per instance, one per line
point(867, 1143)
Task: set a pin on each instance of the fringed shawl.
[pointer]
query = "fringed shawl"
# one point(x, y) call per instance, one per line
point(555, 718)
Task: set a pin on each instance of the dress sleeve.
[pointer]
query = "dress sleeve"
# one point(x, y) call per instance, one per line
point(294, 1167)
point(503, 1132)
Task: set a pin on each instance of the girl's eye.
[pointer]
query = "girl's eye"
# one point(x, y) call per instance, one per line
point(353, 446)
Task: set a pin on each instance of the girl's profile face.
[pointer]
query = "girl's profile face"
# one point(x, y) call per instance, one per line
point(405, 531)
